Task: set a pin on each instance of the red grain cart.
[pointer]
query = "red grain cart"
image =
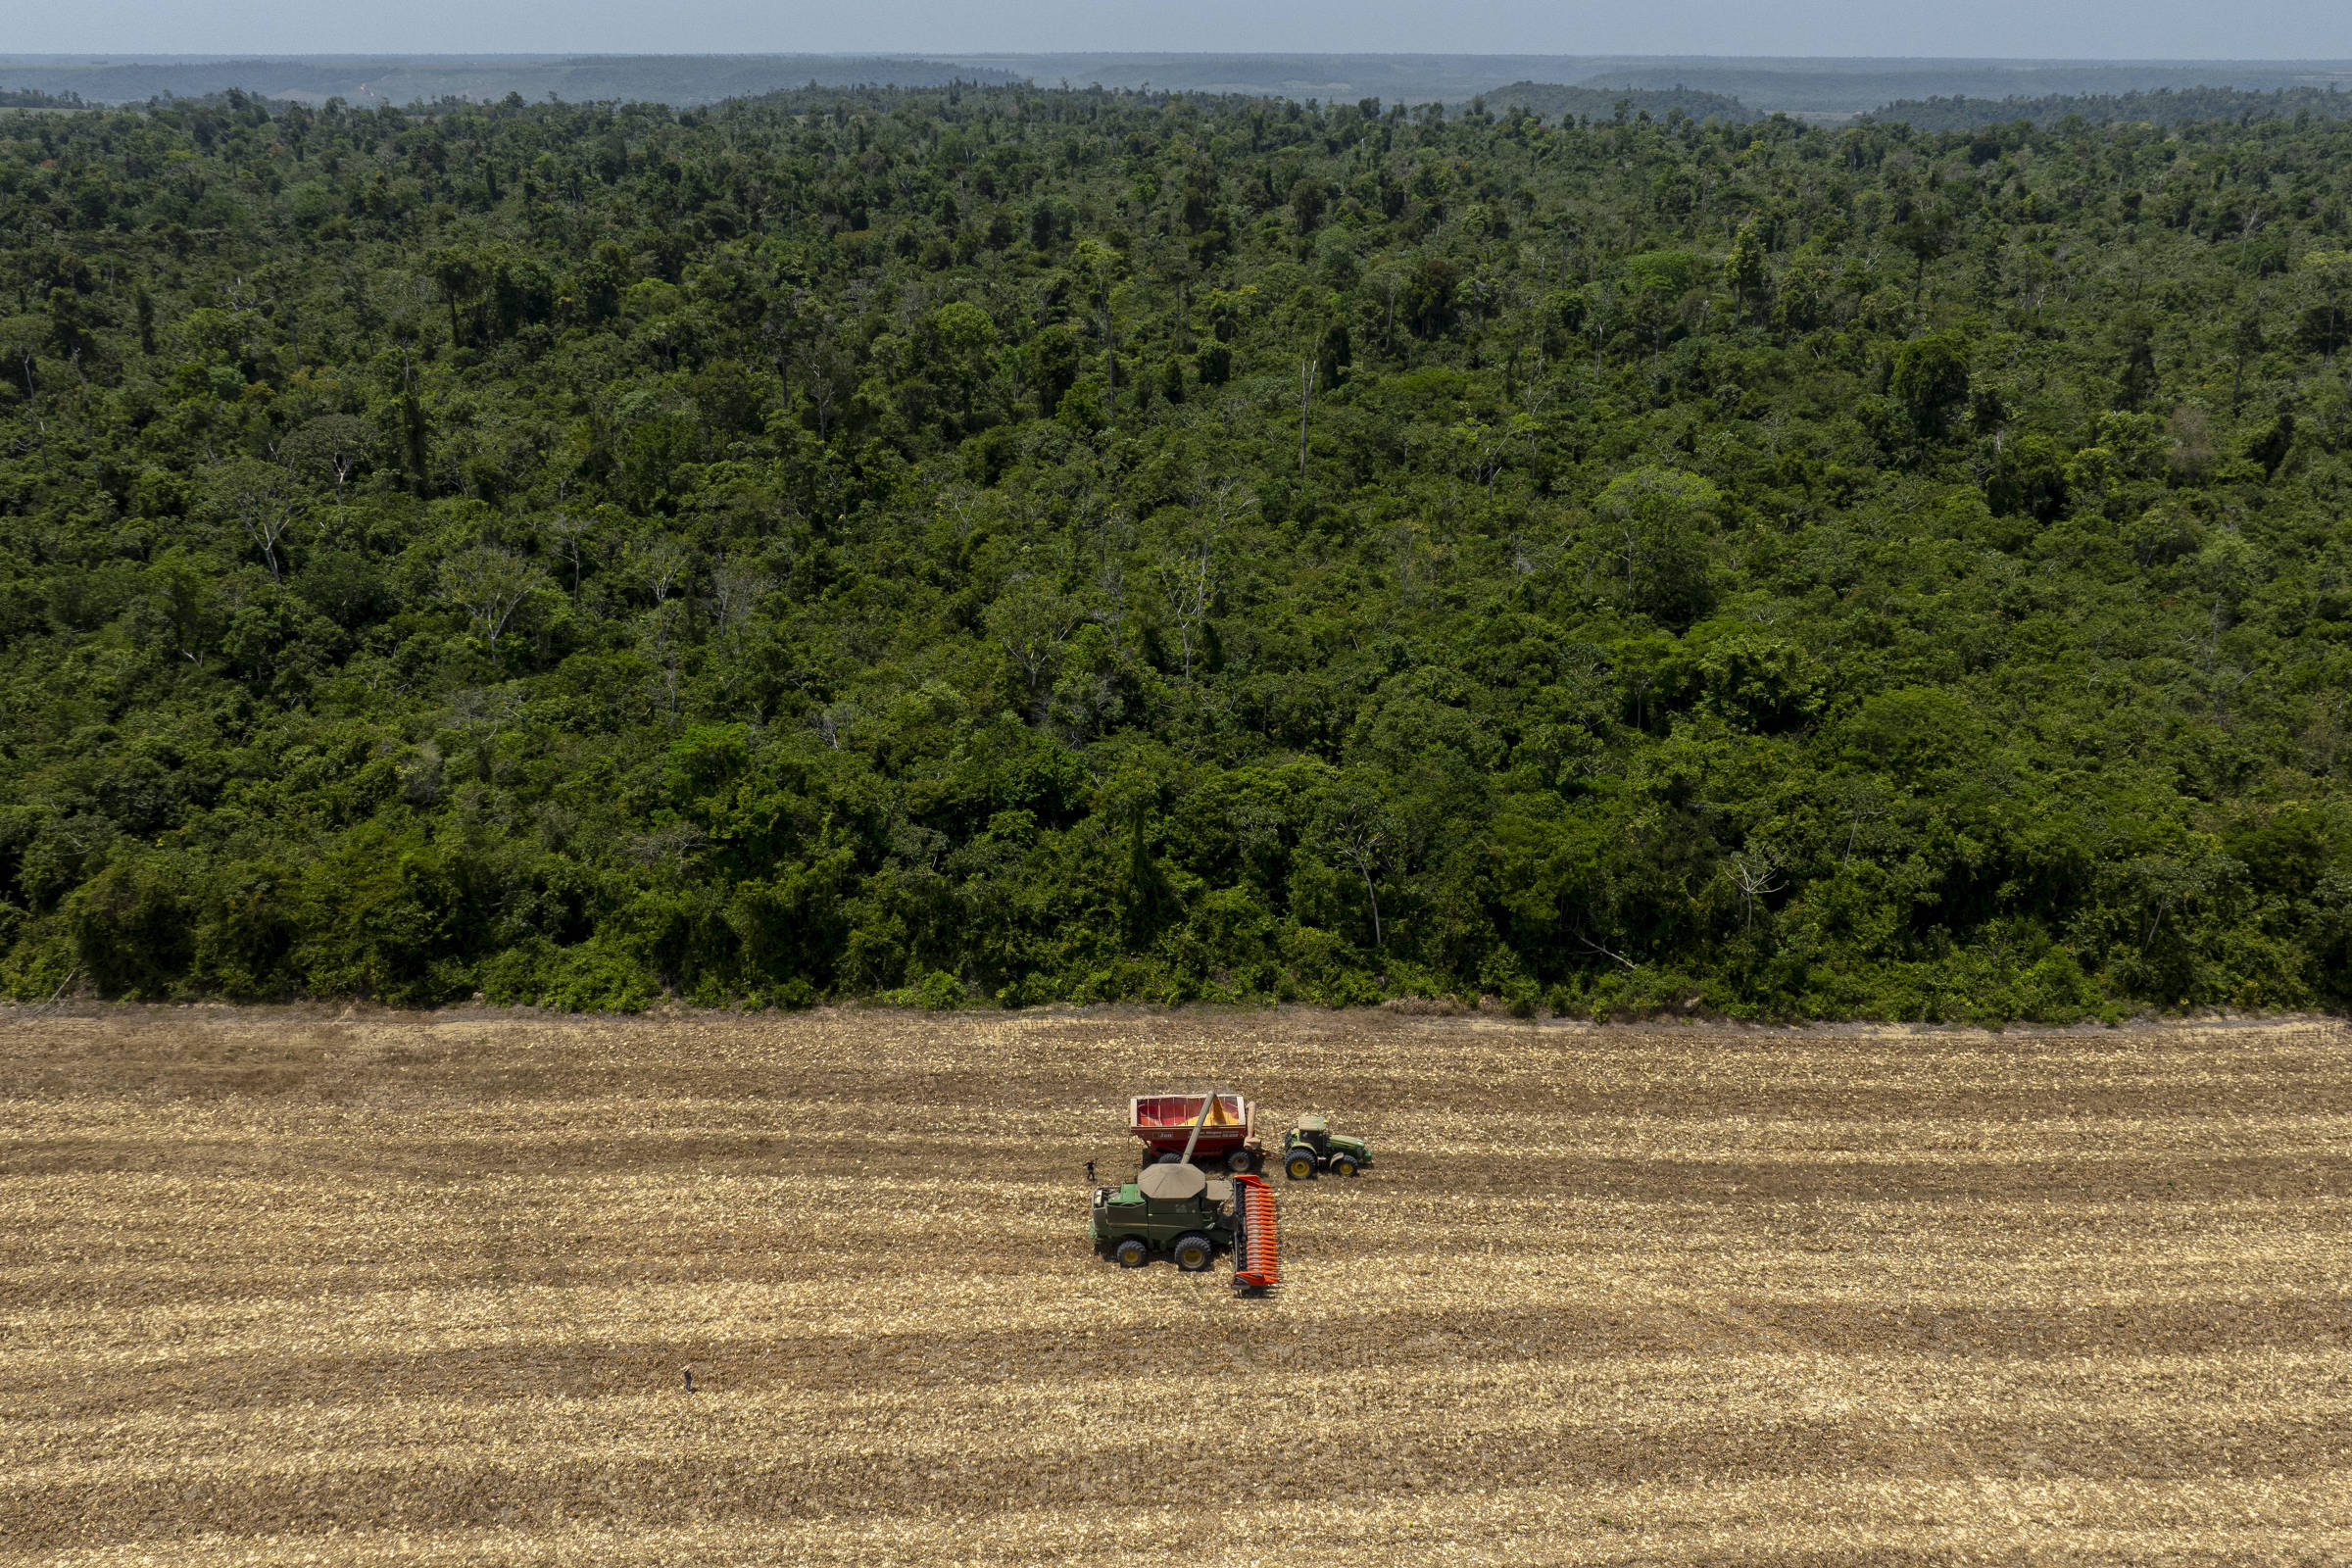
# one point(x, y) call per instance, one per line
point(1227, 1137)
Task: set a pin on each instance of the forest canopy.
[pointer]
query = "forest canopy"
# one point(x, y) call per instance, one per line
point(1013, 546)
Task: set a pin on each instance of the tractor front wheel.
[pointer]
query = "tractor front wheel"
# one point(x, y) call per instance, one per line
point(1131, 1253)
point(1192, 1253)
point(1342, 1164)
point(1299, 1166)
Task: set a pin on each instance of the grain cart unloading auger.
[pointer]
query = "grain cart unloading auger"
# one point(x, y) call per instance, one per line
point(1174, 1208)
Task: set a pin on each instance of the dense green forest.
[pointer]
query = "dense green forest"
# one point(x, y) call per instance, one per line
point(999, 545)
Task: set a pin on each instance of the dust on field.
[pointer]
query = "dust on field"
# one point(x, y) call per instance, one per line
point(287, 1286)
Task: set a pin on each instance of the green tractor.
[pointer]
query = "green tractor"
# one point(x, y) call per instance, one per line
point(1312, 1148)
point(1172, 1211)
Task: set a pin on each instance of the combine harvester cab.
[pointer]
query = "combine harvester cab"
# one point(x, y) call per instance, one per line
point(1219, 1129)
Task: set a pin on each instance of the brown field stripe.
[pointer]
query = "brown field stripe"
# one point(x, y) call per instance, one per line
point(1806, 1521)
point(428, 1308)
point(752, 1473)
point(1090, 1538)
point(2206, 1295)
point(2219, 1153)
point(1409, 1071)
point(1555, 1391)
point(210, 1302)
point(92, 1223)
point(601, 1356)
point(1560, 1158)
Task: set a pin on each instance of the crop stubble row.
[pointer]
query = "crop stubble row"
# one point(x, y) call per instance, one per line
point(280, 1285)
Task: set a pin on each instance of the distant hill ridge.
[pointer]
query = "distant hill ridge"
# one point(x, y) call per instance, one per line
point(681, 80)
point(1816, 88)
point(1555, 102)
point(33, 98)
point(2163, 106)
point(1932, 94)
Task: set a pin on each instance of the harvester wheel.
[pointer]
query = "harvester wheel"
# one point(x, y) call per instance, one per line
point(1299, 1166)
point(1193, 1253)
point(1132, 1254)
point(1240, 1161)
point(1342, 1164)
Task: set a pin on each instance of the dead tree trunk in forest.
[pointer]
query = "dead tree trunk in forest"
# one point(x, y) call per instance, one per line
point(1308, 371)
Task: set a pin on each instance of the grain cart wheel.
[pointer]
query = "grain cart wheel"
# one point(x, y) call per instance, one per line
point(1342, 1164)
point(1193, 1253)
point(1132, 1254)
point(1300, 1165)
point(1240, 1161)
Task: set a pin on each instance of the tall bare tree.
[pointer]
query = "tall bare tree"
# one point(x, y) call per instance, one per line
point(491, 584)
point(1030, 624)
point(1357, 830)
point(736, 589)
point(1308, 370)
point(1753, 872)
point(660, 564)
point(331, 446)
point(1187, 577)
point(570, 532)
point(263, 498)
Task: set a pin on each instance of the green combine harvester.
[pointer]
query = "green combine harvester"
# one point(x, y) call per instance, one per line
point(1312, 1148)
point(1190, 1225)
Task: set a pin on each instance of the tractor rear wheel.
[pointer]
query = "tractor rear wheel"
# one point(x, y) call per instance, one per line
point(1192, 1253)
point(1131, 1253)
point(1299, 1165)
point(1342, 1164)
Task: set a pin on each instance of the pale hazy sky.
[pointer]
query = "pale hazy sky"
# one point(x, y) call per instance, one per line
point(2132, 30)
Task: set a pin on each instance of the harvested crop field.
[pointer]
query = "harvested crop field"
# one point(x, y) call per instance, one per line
point(282, 1287)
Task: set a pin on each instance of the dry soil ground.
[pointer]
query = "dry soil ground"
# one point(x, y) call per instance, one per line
point(280, 1287)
